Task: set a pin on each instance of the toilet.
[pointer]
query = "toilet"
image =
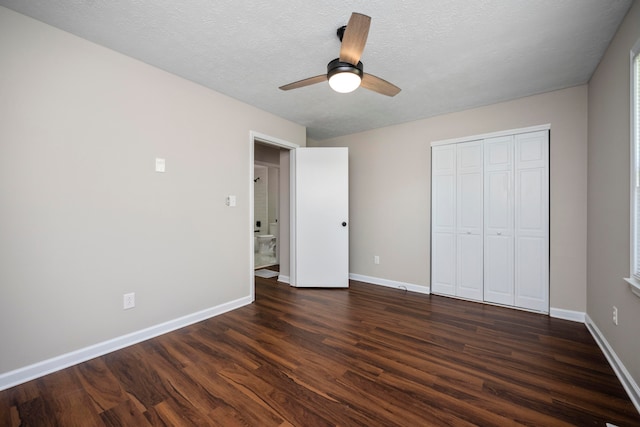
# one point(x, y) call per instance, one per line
point(273, 229)
point(266, 243)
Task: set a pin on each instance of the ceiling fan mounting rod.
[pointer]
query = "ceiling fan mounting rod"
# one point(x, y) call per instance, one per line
point(340, 32)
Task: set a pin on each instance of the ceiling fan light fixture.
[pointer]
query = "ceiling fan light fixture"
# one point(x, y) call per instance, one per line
point(344, 82)
point(344, 77)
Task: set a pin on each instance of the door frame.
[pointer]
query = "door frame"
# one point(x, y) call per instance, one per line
point(276, 143)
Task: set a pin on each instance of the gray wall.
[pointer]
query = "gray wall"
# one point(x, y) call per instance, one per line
point(390, 189)
point(608, 208)
point(83, 216)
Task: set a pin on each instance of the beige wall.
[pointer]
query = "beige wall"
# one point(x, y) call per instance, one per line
point(608, 209)
point(390, 189)
point(83, 216)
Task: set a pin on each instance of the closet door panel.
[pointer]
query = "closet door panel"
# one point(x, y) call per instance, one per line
point(443, 264)
point(499, 153)
point(469, 187)
point(469, 205)
point(470, 202)
point(470, 266)
point(443, 219)
point(531, 209)
point(498, 220)
point(498, 269)
point(498, 202)
point(532, 149)
point(444, 203)
point(530, 273)
point(532, 221)
point(443, 189)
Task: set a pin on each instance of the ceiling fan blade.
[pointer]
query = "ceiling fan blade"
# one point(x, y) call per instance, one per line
point(305, 82)
point(376, 84)
point(354, 38)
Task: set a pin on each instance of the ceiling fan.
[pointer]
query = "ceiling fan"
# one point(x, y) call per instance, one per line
point(345, 74)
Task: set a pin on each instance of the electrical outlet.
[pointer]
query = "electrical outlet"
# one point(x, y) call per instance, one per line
point(615, 315)
point(129, 301)
point(376, 259)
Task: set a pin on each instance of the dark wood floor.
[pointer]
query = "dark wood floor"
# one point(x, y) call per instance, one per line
point(368, 356)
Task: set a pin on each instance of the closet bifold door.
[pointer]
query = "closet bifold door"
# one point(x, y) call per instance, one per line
point(469, 203)
point(532, 221)
point(498, 220)
point(443, 220)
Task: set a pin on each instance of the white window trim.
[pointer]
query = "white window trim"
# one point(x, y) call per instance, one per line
point(633, 280)
point(634, 285)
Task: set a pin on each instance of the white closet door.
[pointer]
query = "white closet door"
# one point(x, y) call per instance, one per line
point(469, 220)
point(532, 221)
point(498, 220)
point(443, 220)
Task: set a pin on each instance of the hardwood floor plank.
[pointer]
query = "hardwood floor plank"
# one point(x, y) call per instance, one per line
point(186, 391)
point(37, 412)
point(363, 356)
point(123, 415)
point(100, 384)
point(75, 409)
point(239, 403)
point(136, 376)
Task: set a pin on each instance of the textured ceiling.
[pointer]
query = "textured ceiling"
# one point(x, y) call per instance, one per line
point(445, 55)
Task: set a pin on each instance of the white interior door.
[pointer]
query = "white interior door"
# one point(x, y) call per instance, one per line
point(532, 221)
point(469, 278)
point(498, 220)
point(443, 220)
point(320, 232)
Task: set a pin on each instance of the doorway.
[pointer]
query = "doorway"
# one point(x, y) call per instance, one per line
point(313, 214)
point(257, 143)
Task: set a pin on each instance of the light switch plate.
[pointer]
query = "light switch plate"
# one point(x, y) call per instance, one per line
point(231, 201)
point(160, 165)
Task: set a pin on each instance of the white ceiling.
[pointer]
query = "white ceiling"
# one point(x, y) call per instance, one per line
point(445, 55)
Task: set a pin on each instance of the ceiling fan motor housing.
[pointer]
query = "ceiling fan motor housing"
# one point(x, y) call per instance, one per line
point(336, 66)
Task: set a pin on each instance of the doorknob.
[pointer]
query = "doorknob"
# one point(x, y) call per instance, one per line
point(344, 224)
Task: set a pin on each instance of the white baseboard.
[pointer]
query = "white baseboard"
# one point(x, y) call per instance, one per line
point(390, 283)
point(283, 279)
point(560, 313)
point(623, 375)
point(39, 369)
